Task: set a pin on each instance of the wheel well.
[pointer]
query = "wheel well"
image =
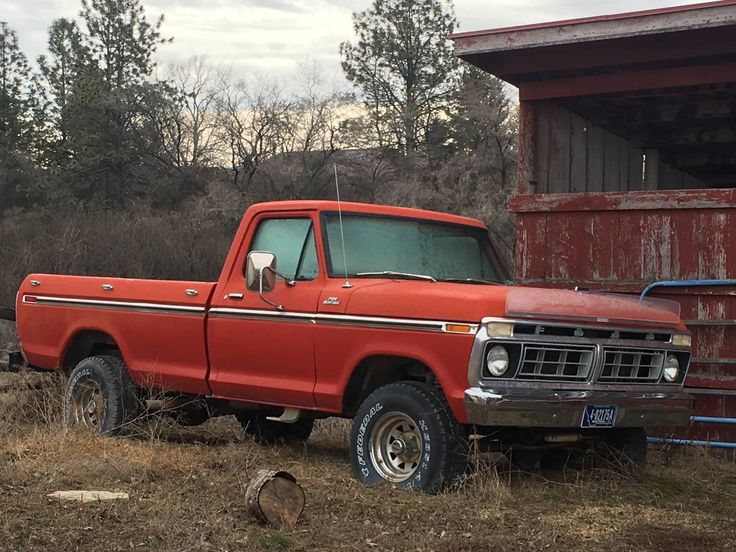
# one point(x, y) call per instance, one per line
point(375, 371)
point(85, 344)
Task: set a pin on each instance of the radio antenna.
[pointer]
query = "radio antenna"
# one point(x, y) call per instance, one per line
point(347, 284)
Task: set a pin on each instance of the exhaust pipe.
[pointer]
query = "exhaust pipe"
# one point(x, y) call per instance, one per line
point(563, 438)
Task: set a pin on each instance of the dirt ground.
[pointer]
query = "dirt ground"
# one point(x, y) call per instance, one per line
point(186, 491)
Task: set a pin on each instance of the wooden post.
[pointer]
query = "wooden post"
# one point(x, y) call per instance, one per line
point(526, 179)
point(651, 173)
point(275, 497)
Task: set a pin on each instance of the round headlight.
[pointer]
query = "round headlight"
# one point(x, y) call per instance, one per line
point(671, 368)
point(497, 361)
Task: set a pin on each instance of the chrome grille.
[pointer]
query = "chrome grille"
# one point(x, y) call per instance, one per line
point(631, 366)
point(556, 363)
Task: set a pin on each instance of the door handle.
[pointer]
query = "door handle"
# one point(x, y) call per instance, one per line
point(237, 296)
point(191, 292)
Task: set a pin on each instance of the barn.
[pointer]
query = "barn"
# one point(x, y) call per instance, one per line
point(627, 170)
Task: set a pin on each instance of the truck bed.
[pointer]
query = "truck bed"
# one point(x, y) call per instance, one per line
point(159, 325)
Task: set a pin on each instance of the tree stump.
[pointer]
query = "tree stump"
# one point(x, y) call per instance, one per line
point(275, 497)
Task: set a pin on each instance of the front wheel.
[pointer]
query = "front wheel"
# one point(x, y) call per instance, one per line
point(405, 434)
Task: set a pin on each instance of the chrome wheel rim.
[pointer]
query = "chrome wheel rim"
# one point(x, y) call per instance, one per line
point(89, 405)
point(396, 447)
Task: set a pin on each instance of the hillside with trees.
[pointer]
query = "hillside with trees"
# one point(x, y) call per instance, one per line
point(110, 164)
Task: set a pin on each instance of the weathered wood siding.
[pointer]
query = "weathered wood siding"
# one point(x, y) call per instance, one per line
point(624, 241)
point(561, 152)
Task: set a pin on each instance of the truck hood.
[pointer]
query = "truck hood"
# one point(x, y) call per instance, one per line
point(470, 303)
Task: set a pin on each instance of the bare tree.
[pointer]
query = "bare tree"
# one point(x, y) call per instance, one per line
point(317, 130)
point(188, 127)
point(254, 124)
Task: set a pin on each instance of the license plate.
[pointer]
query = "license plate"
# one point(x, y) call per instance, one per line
point(599, 416)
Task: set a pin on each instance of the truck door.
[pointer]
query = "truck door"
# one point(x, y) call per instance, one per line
point(257, 352)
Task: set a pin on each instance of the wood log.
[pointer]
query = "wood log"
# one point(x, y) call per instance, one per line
point(276, 498)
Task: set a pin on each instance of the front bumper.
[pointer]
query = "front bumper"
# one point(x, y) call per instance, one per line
point(564, 409)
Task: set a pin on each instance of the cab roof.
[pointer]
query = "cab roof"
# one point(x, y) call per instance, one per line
point(365, 208)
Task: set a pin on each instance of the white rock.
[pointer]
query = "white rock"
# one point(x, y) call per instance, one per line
point(88, 496)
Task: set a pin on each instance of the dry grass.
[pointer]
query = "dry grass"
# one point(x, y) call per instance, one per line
point(187, 488)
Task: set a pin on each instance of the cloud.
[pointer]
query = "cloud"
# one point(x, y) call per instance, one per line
point(274, 36)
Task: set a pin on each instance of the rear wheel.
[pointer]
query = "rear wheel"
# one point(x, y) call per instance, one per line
point(100, 396)
point(404, 434)
point(269, 432)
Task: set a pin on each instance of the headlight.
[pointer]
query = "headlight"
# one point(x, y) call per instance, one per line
point(497, 361)
point(671, 368)
point(500, 329)
point(682, 340)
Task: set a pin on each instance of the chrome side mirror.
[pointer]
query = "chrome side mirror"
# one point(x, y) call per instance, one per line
point(261, 273)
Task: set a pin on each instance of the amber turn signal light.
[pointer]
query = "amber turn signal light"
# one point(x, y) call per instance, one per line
point(458, 328)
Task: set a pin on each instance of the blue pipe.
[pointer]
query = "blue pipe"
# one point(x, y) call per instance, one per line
point(697, 419)
point(712, 420)
point(711, 444)
point(685, 283)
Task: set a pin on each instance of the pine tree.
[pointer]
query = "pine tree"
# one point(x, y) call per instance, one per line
point(15, 79)
point(109, 99)
point(59, 74)
point(402, 63)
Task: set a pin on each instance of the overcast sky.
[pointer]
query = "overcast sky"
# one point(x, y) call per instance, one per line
point(274, 36)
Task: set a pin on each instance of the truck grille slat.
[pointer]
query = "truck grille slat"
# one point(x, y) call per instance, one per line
point(549, 362)
point(631, 366)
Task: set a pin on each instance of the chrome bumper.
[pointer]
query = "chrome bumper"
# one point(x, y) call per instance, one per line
point(564, 409)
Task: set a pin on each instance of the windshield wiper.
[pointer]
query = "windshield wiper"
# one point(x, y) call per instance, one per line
point(398, 275)
point(470, 281)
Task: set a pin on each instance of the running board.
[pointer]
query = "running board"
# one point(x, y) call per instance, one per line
point(288, 416)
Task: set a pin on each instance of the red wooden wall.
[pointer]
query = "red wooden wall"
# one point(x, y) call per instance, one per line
point(624, 241)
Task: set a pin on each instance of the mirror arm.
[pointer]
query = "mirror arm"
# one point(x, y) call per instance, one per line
point(260, 289)
point(290, 283)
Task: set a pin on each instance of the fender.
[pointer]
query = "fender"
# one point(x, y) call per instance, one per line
point(340, 351)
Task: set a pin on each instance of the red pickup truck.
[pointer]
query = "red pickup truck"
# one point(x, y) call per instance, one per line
point(398, 318)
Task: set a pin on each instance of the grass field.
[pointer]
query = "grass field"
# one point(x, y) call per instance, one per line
point(186, 491)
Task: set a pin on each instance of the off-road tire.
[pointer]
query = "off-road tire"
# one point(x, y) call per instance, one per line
point(120, 402)
point(443, 447)
point(268, 432)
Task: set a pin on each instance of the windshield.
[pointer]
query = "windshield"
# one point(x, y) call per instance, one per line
point(410, 247)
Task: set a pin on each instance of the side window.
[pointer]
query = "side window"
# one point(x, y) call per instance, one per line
point(292, 241)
